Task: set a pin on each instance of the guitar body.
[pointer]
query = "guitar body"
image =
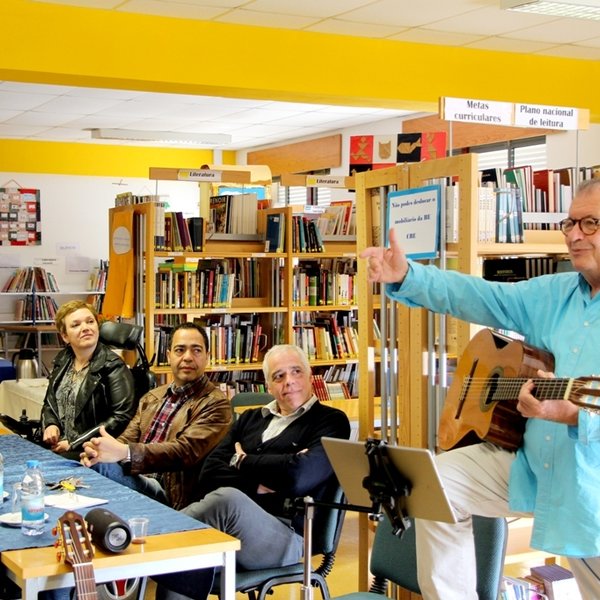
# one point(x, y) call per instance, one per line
point(471, 413)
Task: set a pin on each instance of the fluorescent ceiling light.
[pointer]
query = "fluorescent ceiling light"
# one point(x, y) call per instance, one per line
point(162, 137)
point(578, 9)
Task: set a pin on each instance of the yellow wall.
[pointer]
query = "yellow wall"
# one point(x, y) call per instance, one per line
point(93, 159)
point(50, 43)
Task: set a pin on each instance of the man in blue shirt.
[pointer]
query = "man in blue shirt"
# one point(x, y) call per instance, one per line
point(555, 475)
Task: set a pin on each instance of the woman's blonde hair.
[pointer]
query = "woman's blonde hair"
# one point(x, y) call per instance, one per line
point(70, 307)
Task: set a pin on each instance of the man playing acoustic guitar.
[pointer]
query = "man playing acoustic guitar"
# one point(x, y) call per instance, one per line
point(555, 474)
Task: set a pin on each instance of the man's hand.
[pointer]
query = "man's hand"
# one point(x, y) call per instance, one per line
point(62, 447)
point(386, 265)
point(51, 436)
point(103, 449)
point(560, 411)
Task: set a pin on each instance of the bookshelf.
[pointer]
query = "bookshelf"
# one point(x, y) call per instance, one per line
point(29, 300)
point(261, 305)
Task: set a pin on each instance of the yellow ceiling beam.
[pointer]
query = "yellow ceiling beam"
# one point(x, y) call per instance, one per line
point(25, 156)
point(51, 43)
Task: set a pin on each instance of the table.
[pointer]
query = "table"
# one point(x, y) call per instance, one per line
point(25, 394)
point(175, 543)
point(37, 569)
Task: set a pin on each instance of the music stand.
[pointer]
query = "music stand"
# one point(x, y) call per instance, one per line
point(376, 477)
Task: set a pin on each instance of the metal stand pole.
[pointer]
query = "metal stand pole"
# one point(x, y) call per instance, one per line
point(307, 592)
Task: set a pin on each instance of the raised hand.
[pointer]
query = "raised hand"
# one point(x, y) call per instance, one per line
point(386, 265)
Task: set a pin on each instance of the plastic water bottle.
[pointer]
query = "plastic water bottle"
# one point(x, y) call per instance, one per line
point(32, 500)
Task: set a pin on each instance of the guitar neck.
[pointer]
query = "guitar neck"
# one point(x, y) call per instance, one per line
point(508, 388)
point(85, 582)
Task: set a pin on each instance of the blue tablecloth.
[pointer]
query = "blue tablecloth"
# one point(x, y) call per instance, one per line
point(121, 500)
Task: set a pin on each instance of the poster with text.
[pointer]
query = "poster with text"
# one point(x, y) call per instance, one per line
point(415, 215)
point(20, 217)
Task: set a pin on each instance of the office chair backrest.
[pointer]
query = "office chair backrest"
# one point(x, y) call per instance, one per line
point(129, 337)
point(327, 524)
point(245, 399)
point(395, 559)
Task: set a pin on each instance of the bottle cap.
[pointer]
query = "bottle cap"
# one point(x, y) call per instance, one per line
point(31, 464)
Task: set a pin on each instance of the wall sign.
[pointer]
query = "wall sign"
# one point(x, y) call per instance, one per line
point(540, 116)
point(414, 214)
point(20, 217)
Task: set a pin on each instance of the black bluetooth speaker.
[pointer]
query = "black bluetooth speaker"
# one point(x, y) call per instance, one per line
point(108, 531)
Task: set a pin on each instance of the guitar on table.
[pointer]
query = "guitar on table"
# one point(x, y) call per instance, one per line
point(481, 403)
point(77, 550)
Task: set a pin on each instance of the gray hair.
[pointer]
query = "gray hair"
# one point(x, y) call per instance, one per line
point(275, 351)
point(587, 184)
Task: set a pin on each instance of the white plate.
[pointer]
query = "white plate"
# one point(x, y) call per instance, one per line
point(14, 519)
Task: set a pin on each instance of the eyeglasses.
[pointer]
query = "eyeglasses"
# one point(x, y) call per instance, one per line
point(588, 225)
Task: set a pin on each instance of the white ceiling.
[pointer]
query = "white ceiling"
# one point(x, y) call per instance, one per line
point(57, 113)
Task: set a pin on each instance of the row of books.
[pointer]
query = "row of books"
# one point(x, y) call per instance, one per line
point(29, 279)
point(326, 340)
point(542, 191)
point(98, 277)
point(35, 308)
point(233, 213)
point(546, 582)
point(235, 345)
point(183, 234)
point(209, 283)
point(306, 236)
point(500, 215)
point(235, 382)
point(175, 233)
point(326, 390)
point(521, 267)
point(275, 233)
point(339, 218)
point(233, 339)
point(347, 373)
point(314, 286)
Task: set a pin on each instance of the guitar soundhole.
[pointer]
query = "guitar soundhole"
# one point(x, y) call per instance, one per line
point(490, 388)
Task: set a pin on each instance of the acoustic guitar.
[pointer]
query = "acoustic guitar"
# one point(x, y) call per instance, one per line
point(76, 549)
point(481, 403)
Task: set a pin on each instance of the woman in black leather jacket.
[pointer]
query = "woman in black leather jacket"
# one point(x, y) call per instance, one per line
point(89, 385)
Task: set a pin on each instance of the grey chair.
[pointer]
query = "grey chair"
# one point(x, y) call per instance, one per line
point(326, 532)
point(394, 559)
point(244, 399)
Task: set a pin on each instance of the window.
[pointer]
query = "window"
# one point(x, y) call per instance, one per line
point(292, 195)
point(516, 153)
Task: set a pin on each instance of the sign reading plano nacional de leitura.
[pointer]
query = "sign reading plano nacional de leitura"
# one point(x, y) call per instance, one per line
point(518, 114)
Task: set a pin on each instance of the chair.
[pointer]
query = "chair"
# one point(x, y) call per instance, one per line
point(126, 336)
point(327, 529)
point(394, 559)
point(247, 399)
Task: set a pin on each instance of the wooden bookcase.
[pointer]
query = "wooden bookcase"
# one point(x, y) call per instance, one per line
point(277, 317)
